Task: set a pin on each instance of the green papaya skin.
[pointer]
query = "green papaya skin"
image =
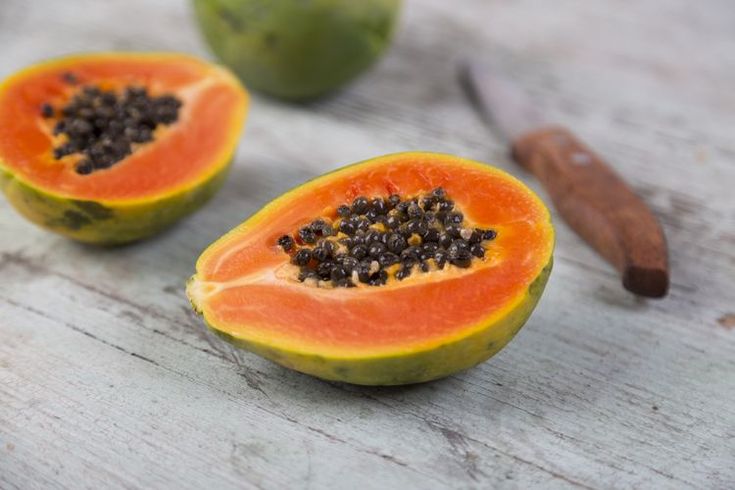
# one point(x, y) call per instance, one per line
point(105, 223)
point(297, 49)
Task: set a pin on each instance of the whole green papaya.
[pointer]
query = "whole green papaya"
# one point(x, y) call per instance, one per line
point(297, 49)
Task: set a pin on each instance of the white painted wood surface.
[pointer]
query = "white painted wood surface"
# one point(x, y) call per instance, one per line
point(107, 380)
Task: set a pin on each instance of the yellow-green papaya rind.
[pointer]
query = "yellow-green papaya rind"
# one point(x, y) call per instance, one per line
point(106, 223)
point(294, 49)
point(409, 367)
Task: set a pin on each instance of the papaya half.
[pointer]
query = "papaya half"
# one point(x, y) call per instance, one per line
point(396, 270)
point(109, 148)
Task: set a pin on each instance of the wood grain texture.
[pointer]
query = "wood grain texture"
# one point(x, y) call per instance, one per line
point(107, 380)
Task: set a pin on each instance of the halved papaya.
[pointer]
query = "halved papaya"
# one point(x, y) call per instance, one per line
point(112, 147)
point(401, 269)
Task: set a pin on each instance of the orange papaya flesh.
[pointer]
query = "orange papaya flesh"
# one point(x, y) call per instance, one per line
point(424, 327)
point(155, 185)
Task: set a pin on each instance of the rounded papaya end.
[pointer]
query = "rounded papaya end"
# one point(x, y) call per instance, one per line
point(99, 147)
point(311, 280)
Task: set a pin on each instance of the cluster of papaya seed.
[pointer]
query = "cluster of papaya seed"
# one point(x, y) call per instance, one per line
point(375, 239)
point(103, 125)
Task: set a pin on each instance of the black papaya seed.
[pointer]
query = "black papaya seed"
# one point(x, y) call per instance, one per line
point(445, 240)
point(373, 236)
point(59, 128)
point(360, 205)
point(431, 235)
point(463, 258)
point(439, 193)
point(376, 249)
point(411, 252)
point(307, 235)
point(343, 211)
point(47, 110)
point(372, 215)
point(456, 248)
point(489, 235)
point(414, 211)
point(346, 227)
point(404, 230)
point(446, 205)
point(69, 78)
point(396, 243)
point(363, 224)
point(453, 218)
point(323, 251)
point(359, 251)
point(363, 272)
point(379, 278)
point(350, 263)
point(358, 238)
point(417, 226)
point(381, 218)
point(285, 242)
point(307, 273)
point(318, 225)
point(324, 269)
point(453, 230)
point(428, 250)
point(302, 257)
point(403, 272)
point(337, 273)
point(84, 167)
point(402, 207)
point(379, 205)
point(392, 222)
point(388, 258)
point(440, 258)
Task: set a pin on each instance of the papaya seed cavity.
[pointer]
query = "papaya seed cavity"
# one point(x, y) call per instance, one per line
point(104, 126)
point(375, 240)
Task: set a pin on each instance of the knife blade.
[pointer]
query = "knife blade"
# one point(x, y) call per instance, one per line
point(589, 195)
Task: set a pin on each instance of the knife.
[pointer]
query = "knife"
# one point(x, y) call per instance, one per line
point(588, 194)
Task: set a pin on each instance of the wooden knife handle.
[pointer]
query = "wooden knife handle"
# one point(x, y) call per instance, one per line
point(596, 202)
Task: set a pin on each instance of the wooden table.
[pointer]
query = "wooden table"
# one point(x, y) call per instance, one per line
point(107, 379)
